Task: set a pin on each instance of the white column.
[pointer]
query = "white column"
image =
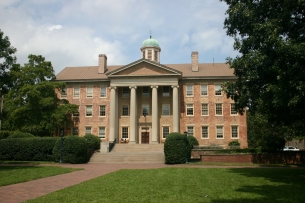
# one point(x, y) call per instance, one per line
point(133, 115)
point(154, 113)
point(113, 107)
point(175, 109)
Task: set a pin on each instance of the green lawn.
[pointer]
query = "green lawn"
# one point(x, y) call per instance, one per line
point(17, 174)
point(189, 185)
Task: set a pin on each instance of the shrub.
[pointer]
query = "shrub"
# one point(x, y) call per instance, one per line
point(74, 150)
point(234, 144)
point(176, 148)
point(192, 142)
point(93, 142)
point(5, 134)
point(19, 134)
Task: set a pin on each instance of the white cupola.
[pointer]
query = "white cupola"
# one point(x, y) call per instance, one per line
point(151, 50)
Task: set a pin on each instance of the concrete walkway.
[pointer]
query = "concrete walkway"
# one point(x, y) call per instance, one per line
point(32, 189)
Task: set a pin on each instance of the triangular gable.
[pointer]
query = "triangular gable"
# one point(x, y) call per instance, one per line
point(143, 67)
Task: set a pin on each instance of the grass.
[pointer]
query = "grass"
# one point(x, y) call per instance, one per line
point(217, 185)
point(18, 174)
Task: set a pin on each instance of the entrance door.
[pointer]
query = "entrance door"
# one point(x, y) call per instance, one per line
point(145, 137)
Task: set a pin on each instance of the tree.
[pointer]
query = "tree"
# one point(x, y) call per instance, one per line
point(7, 60)
point(32, 104)
point(270, 37)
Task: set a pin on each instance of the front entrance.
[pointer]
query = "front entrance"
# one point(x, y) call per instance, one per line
point(145, 137)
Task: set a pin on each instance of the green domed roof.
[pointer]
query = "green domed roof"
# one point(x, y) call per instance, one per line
point(150, 43)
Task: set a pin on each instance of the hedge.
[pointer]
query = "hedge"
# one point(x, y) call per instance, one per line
point(176, 148)
point(93, 142)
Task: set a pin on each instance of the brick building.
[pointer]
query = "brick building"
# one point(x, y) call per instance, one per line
point(145, 100)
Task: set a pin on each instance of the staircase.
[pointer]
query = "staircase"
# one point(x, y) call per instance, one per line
point(131, 153)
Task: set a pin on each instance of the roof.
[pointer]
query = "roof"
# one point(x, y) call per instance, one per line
point(150, 43)
point(206, 70)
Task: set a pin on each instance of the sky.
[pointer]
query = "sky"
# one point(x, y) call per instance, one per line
point(74, 32)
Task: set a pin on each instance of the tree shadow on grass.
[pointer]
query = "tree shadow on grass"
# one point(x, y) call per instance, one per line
point(283, 185)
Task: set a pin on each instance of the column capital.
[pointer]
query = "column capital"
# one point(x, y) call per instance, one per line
point(130, 87)
point(155, 86)
point(175, 86)
point(112, 87)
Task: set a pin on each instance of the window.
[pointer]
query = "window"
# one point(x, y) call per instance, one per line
point(125, 110)
point(219, 132)
point(189, 110)
point(103, 92)
point(165, 109)
point(145, 92)
point(233, 111)
point(234, 131)
point(89, 92)
point(87, 130)
point(190, 131)
point(218, 109)
point(156, 56)
point(64, 93)
point(189, 90)
point(102, 110)
point(149, 54)
point(145, 109)
point(125, 92)
point(204, 110)
point(75, 131)
point(165, 91)
point(204, 132)
point(76, 114)
point(217, 89)
point(204, 90)
point(101, 132)
point(88, 110)
point(124, 132)
point(76, 92)
point(165, 132)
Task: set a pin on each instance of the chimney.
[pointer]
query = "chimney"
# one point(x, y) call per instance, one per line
point(195, 61)
point(102, 63)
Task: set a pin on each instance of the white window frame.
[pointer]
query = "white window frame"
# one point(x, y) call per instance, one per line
point(207, 132)
point(190, 130)
point(87, 128)
point(125, 105)
point(189, 106)
point(218, 107)
point(103, 92)
point(165, 93)
point(218, 91)
point(102, 132)
point(203, 109)
point(89, 92)
point(166, 109)
point(204, 91)
point(124, 132)
point(76, 94)
point(165, 132)
point(233, 132)
point(103, 106)
point(232, 109)
point(189, 91)
point(74, 130)
point(88, 111)
point(63, 93)
point(219, 132)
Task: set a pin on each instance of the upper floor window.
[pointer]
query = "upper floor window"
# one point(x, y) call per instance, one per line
point(102, 110)
point(190, 130)
point(125, 92)
point(64, 93)
point(145, 92)
point(217, 89)
point(88, 110)
point(234, 131)
point(204, 110)
point(204, 90)
point(218, 109)
point(89, 92)
point(101, 132)
point(76, 92)
point(189, 109)
point(125, 110)
point(233, 110)
point(165, 109)
point(76, 114)
point(103, 92)
point(145, 109)
point(204, 132)
point(219, 131)
point(189, 90)
point(165, 91)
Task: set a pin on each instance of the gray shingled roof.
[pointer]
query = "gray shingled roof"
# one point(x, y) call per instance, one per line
point(91, 72)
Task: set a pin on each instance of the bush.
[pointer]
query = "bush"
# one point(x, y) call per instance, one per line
point(31, 149)
point(21, 135)
point(192, 142)
point(93, 142)
point(5, 134)
point(176, 147)
point(74, 150)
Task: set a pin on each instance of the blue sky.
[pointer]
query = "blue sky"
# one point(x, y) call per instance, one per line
point(74, 33)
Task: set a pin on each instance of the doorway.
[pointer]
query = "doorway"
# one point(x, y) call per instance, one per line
point(145, 137)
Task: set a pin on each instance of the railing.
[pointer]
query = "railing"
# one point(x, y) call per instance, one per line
point(111, 145)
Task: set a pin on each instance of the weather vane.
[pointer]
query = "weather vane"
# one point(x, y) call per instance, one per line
point(150, 33)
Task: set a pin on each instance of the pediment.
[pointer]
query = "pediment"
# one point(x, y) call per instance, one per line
point(144, 67)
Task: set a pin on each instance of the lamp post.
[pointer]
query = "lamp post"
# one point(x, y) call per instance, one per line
point(144, 114)
point(61, 143)
point(186, 143)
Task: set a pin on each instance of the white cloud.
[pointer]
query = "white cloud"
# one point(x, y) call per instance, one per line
point(54, 27)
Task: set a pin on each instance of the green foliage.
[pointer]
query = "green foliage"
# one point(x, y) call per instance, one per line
point(271, 66)
point(5, 134)
point(18, 134)
point(176, 147)
point(192, 142)
point(74, 150)
point(93, 142)
point(7, 60)
point(30, 149)
point(32, 104)
point(234, 143)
